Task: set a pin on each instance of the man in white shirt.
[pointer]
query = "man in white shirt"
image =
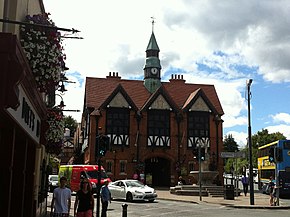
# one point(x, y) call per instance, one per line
point(61, 200)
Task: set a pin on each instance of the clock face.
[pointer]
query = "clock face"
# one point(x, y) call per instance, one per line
point(154, 71)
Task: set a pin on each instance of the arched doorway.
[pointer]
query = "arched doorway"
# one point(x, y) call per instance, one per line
point(157, 172)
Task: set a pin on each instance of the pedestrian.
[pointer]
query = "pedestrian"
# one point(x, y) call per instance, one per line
point(105, 198)
point(84, 203)
point(245, 182)
point(142, 177)
point(181, 181)
point(61, 200)
point(135, 175)
point(271, 187)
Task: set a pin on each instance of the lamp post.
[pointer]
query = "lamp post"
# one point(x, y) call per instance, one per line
point(97, 114)
point(249, 82)
point(200, 143)
point(199, 169)
point(62, 105)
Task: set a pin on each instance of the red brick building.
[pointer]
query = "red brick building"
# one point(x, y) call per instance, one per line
point(154, 126)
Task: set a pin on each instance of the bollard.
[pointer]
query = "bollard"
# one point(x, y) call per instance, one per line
point(124, 213)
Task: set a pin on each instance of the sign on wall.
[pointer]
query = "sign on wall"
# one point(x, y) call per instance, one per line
point(25, 115)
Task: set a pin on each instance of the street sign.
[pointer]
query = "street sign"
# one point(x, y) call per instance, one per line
point(239, 154)
point(227, 154)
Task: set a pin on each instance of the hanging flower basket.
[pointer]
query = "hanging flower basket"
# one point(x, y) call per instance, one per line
point(44, 51)
point(55, 132)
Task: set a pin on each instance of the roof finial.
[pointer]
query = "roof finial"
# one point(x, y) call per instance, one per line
point(153, 21)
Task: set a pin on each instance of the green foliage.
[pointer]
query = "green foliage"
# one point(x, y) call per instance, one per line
point(230, 144)
point(263, 137)
point(71, 124)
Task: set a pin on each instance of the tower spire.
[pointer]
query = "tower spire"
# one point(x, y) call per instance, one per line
point(152, 65)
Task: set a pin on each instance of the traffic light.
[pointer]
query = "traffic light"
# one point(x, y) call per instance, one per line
point(202, 154)
point(278, 154)
point(272, 155)
point(195, 153)
point(103, 145)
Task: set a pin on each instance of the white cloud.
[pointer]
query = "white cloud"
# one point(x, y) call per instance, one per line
point(188, 32)
point(282, 128)
point(281, 118)
point(240, 138)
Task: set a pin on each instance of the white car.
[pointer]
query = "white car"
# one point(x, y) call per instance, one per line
point(130, 189)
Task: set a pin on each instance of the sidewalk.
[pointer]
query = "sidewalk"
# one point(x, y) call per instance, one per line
point(261, 201)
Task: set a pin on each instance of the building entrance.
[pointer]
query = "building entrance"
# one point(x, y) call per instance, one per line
point(157, 172)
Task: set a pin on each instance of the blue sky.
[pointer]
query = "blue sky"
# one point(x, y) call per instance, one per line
point(223, 43)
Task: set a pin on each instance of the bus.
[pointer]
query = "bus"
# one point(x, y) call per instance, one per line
point(274, 160)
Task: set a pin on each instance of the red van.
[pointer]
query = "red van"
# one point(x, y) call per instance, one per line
point(74, 174)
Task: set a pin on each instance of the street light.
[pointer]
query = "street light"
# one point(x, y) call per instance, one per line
point(97, 115)
point(62, 105)
point(200, 143)
point(199, 169)
point(249, 82)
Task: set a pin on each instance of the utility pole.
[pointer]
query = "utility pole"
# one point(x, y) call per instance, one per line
point(96, 113)
point(249, 82)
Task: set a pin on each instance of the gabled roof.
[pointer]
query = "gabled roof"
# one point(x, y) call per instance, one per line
point(160, 91)
point(181, 91)
point(98, 90)
point(194, 96)
point(119, 89)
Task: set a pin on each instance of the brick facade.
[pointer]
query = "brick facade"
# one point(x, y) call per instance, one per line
point(161, 153)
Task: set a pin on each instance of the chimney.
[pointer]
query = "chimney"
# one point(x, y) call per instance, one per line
point(113, 75)
point(175, 78)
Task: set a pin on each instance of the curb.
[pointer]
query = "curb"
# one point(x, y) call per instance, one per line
point(257, 207)
point(184, 201)
point(229, 205)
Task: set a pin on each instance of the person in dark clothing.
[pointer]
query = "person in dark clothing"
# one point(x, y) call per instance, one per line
point(84, 203)
point(245, 182)
point(271, 187)
point(105, 198)
point(181, 181)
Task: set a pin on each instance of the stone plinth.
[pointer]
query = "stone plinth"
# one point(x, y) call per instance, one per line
point(207, 177)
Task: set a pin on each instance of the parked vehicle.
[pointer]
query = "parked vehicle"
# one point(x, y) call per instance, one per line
point(52, 182)
point(75, 173)
point(131, 189)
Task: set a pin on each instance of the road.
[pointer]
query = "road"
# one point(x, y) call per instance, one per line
point(164, 208)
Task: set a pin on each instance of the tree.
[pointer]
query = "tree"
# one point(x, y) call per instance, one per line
point(230, 144)
point(71, 124)
point(263, 137)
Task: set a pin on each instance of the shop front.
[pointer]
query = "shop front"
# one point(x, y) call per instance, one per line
point(22, 117)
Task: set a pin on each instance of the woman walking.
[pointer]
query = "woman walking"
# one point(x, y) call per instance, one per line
point(84, 204)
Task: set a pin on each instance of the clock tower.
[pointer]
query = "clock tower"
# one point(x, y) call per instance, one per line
point(152, 66)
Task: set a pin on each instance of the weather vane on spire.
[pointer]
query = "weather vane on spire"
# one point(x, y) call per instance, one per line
point(153, 21)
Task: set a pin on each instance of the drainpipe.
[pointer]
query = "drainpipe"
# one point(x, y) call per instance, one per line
point(217, 142)
point(138, 118)
point(218, 120)
point(5, 15)
point(178, 120)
